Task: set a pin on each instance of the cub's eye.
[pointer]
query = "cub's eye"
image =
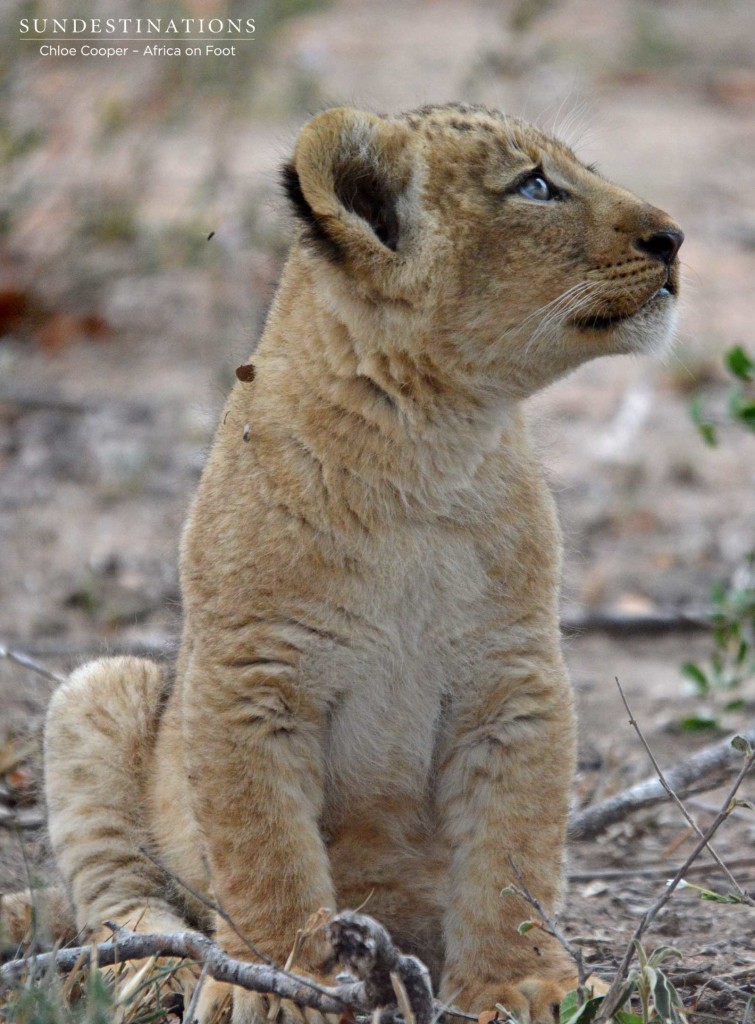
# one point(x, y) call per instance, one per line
point(537, 188)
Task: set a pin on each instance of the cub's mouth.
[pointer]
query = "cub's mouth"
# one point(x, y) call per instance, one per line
point(604, 323)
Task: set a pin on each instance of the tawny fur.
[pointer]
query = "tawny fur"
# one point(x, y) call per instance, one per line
point(370, 702)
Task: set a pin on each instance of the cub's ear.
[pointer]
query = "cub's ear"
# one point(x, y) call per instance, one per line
point(345, 181)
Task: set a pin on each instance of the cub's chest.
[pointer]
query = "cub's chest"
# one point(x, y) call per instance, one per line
point(392, 683)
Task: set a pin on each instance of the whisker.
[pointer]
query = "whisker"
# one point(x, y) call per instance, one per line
point(544, 309)
point(578, 298)
point(558, 311)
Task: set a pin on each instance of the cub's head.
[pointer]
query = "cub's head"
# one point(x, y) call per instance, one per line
point(474, 240)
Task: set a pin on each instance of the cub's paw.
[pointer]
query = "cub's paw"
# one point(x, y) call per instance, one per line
point(220, 1003)
point(534, 1000)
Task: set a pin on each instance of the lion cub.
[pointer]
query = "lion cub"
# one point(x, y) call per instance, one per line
point(370, 703)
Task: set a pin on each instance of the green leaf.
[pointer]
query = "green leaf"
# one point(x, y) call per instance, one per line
point(735, 705)
point(628, 990)
point(742, 744)
point(650, 976)
point(525, 926)
point(743, 410)
point(570, 1012)
point(569, 1006)
point(740, 363)
point(713, 897)
point(718, 597)
point(698, 677)
point(622, 1017)
point(661, 953)
point(640, 953)
point(704, 426)
point(661, 999)
point(698, 724)
point(666, 999)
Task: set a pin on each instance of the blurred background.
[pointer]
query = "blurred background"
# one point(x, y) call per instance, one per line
point(121, 320)
point(121, 324)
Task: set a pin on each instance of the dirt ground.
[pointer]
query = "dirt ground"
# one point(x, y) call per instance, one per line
point(122, 325)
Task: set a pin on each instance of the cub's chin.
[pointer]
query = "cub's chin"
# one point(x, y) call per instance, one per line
point(651, 329)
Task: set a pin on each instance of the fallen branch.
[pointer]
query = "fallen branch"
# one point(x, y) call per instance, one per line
point(620, 624)
point(658, 871)
point(127, 945)
point(359, 944)
point(682, 778)
point(688, 978)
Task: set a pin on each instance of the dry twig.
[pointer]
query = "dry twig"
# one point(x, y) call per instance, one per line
point(687, 816)
point(214, 907)
point(611, 1001)
point(26, 662)
point(359, 943)
point(194, 1001)
point(128, 945)
point(549, 923)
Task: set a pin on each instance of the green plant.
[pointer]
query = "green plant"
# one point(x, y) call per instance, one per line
point(732, 605)
point(741, 401)
point(659, 1002)
point(45, 1000)
point(732, 659)
point(150, 994)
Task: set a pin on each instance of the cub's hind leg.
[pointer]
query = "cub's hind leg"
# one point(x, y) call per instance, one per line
point(99, 742)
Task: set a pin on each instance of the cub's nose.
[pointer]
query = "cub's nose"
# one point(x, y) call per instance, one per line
point(661, 245)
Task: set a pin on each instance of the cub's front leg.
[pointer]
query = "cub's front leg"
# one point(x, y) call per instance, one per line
point(504, 795)
point(253, 750)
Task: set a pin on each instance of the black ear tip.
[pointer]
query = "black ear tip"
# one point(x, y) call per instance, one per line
point(292, 188)
point(289, 178)
point(314, 233)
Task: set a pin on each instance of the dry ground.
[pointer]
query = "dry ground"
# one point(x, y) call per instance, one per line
point(115, 363)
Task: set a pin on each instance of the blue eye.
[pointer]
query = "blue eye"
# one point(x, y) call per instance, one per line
point(537, 189)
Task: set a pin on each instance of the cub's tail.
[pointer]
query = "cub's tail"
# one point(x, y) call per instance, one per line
point(99, 741)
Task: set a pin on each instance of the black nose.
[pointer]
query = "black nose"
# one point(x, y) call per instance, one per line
point(662, 245)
